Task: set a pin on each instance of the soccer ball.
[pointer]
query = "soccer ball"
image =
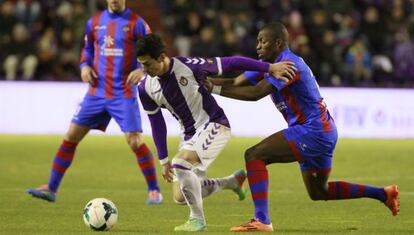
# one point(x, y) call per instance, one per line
point(100, 214)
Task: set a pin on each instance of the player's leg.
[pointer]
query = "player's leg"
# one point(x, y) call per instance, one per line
point(146, 163)
point(90, 115)
point(183, 165)
point(209, 186)
point(232, 182)
point(61, 162)
point(126, 113)
point(191, 162)
point(319, 188)
point(273, 149)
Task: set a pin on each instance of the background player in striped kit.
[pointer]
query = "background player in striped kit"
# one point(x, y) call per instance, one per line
point(177, 85)
point(109, 65)
point(310, 138)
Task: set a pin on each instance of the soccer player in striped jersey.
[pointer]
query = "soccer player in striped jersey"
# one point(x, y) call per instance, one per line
point(109, 65)
point(177, 84)
point(310, 138)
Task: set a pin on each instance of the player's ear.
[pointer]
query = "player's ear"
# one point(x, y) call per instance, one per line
point(278, 43)
point(161, 57)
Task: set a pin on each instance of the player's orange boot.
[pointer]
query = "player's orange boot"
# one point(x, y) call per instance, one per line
point(253, 226)
point(393, 199)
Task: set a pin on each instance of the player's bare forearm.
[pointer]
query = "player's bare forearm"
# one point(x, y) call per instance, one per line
point(248, 93)
point(222, 81)
point(240, 80)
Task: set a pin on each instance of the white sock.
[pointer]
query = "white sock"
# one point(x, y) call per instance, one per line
point(212, 185)
point(190, 187)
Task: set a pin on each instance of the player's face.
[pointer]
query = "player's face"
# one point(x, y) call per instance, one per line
point(266, 47)
point(153, 67)
point(116, 5)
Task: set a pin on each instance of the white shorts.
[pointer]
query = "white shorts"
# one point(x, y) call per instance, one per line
point(208, 141)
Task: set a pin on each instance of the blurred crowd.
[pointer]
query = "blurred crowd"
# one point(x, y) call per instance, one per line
point(345, 42)
point(41, 39)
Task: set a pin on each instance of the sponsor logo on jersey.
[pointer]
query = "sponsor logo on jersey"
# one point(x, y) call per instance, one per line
point(106, 49)
point(100, 27)
point(183, 81)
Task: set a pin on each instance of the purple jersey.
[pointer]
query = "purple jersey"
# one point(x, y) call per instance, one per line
point(299, 100)
point(182, 92)
point(110, 48)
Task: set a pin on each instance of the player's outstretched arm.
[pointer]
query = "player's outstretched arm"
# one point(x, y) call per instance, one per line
point(284, 70)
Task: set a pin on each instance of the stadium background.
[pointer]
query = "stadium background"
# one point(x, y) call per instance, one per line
point(346, 43)
point(362, 54)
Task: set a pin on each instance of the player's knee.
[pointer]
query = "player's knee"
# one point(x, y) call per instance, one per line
point(181, 163)
point(250, 154)
point(317, 195)
point(134, 140)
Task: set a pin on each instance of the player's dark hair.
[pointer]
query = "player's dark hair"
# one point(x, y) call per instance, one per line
point(151, 45)
point(277, 31)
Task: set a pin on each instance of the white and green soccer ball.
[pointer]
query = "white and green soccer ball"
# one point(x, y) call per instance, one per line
point(100, 214)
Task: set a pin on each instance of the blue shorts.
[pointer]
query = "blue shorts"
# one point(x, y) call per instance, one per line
point(96, 112)
point(312, 149)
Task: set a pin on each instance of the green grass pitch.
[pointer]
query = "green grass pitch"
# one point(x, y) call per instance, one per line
point(105, 167)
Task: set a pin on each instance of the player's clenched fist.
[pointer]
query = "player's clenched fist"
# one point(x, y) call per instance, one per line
point(89, 75)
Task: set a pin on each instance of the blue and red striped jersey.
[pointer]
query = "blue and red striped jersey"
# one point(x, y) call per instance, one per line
point(110, 48)
point(299, 100)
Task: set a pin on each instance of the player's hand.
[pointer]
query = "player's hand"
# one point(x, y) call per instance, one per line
point(89, 75)
point(208, 84)
point(135, 76)
point(167, 172)
point(284, 70)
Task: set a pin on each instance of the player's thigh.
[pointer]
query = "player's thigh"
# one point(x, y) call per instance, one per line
point(76, 133)
point(91, 113)
point(273, 149)
point(189, 156)
point(208, 142)
point(125, 112)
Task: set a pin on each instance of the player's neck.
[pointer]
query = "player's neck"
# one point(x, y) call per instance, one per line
point(277, 54)
point(166, 66)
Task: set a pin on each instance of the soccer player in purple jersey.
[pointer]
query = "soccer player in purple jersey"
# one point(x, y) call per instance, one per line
point(109, 65)
point(177, 84)
point(310, 138)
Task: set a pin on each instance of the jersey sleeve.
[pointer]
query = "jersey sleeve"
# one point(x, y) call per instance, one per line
point(218, 65)
point(159, 135)
point(280, 84)
point(147, 102)
point(253, 77)
point(88, 50)
point(141, 28)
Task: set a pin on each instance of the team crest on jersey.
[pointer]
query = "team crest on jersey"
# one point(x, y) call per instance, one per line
point(210, 61)
point(125, 29)
point(183, 81)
